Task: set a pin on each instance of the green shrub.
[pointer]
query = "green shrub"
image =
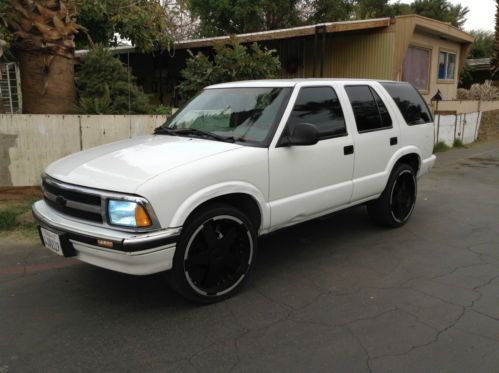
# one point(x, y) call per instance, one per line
point(7, 219)
point(458, 143)
point(440, 147)
point(231, 62)
point(161, 110)
point(106, 87)
point(9, 214)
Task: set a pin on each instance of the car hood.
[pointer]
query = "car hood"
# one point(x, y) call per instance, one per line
point(123, 166)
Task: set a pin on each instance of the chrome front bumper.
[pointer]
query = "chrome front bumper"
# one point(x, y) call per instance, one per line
point(132, 253)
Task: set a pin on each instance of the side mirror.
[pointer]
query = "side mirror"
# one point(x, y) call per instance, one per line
point(304, 134)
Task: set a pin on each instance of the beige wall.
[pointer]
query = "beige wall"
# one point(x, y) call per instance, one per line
point(466, 106)
point(354, 55)
point(29, 143)
point(435, 45)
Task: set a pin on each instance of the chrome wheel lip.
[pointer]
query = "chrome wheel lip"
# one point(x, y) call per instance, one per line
point(191, 240)
point(400, 221)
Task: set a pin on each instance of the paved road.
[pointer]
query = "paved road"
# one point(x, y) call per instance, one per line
point(333, 295)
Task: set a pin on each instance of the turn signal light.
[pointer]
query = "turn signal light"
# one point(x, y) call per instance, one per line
point(141, 217)
point(104, 243)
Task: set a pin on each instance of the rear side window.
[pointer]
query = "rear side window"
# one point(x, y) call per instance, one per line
point(410, 103)
point(369, 110)
point(319, 106)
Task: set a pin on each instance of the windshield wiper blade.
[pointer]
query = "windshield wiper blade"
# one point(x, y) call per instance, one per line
point(192, 131)
point(164, 131)
point(200, 133)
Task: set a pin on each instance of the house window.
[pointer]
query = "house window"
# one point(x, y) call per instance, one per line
point(446, 66)
point(416, 68)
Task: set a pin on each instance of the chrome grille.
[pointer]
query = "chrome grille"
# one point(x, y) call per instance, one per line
point(72, 201)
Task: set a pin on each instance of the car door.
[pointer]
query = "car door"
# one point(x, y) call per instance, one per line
point(307, 181)
point(375, 141)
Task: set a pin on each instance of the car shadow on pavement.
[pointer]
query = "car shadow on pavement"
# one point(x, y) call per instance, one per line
point(306, 242)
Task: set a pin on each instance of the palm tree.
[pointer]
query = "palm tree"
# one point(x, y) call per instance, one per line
point(45, 32)
point(4, 33)
point(494, 63)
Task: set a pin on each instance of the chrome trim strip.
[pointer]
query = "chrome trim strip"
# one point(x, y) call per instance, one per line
point(152, 237)
point(125, 253)
point(96, 209)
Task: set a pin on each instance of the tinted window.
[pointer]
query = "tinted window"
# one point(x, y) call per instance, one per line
point(319, 106)
point(410, 103)
point(369, 110)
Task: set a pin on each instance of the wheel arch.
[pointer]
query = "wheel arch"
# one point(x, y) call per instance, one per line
point(410, 155)
point(243, 196)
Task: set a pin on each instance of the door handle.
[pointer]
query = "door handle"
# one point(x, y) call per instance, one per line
point(393, 141)
point(348, 150)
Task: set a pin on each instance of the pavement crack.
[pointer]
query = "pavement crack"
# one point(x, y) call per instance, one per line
point(367, 318)
point(485, 315)
point(433, 340)
point(272, 300)
point(458, 268)
point(364, 348)
point(416, 317)
point(482, 255)
point(456, 321)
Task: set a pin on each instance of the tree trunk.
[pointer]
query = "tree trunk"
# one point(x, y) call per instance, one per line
point(47, 83)
point(494, 62)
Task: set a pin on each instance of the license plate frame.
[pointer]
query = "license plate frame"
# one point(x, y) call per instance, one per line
point(52, 241)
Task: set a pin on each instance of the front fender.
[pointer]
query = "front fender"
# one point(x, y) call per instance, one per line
point(218, 190)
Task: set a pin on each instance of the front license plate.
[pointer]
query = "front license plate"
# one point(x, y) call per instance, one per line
point(51, 241)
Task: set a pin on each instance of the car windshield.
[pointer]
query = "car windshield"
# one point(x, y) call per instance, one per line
point(246, 115)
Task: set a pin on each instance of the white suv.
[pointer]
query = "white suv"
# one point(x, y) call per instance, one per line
point(239, 160)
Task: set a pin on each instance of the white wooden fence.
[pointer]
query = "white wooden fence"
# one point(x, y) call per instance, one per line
point(460, 120)
point(28, 143)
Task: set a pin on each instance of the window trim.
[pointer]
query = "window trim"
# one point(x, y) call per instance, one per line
point(324, 137)
point(371, 88)
point(445, 80)
point(428, 48)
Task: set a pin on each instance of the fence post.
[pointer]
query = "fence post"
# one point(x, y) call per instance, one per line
point(478, 120)
point(81, 133)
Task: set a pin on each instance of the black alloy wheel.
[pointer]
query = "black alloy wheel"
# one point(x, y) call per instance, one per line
point(403, 196)
point(215, 253)
point(395, 205)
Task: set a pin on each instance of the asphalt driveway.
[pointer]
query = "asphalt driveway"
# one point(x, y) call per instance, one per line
point(333, 295)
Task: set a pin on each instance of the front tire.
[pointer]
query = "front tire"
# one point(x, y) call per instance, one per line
point(215, 253)
point(395, 205)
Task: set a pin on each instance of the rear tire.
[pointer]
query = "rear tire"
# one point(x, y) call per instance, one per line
point(395, 205)
point(215, 253)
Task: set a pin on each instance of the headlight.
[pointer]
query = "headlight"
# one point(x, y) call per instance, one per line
point(128, 214)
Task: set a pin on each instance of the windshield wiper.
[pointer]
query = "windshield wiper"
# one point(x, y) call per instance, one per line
point(164, 131)
point(194, 132)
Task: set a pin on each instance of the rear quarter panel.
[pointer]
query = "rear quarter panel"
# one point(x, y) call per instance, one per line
point(412, 139)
